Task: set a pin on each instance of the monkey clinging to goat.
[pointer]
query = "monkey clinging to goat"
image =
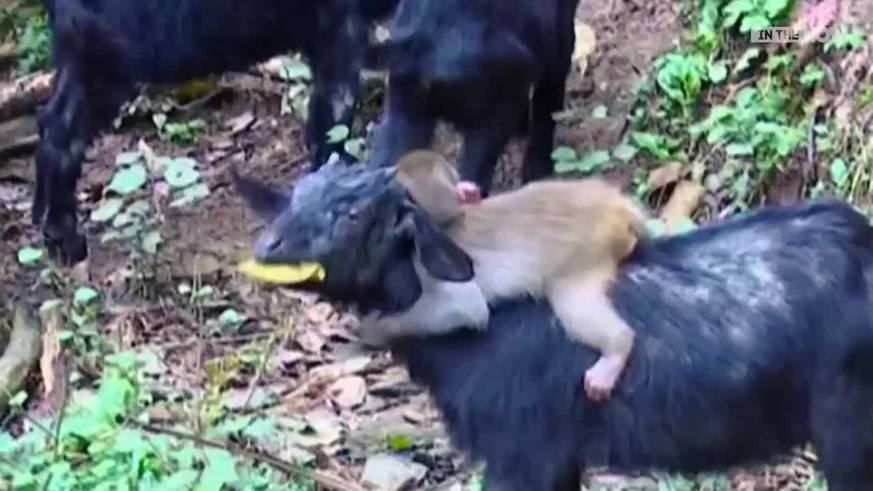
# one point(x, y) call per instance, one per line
point(562, 240)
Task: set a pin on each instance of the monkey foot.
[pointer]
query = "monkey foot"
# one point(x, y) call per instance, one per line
point(602, 377)
point(468, 192)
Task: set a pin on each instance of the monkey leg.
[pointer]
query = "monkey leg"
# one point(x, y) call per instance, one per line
point(587, 315)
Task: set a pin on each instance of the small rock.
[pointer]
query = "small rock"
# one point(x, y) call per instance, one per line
point(348, 392)
point(386, 472)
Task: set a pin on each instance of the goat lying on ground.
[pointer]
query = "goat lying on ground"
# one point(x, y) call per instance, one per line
point(492, 68)
point(752, 335)
point(103, 48)
point(562, 240)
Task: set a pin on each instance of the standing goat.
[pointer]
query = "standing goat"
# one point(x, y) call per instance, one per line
point(753, 335)
point(103, 48)
point(492, 68)
point(562, 240)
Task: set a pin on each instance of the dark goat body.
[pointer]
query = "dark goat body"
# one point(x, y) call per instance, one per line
point(745, 347)
point(492, 68)
point(103, 49)
point(754, 334)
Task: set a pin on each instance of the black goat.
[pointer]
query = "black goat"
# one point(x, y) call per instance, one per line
point(492, 68)
point(753, 335)
point(103, 48)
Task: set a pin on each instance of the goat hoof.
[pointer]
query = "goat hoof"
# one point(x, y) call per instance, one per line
point(67, 250)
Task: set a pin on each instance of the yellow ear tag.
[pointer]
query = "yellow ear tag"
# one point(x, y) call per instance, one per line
point(285, 274)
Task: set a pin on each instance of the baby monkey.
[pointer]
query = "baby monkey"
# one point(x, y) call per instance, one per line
point(562, 240)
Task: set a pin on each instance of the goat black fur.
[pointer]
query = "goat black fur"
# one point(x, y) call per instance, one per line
point(754, 334)
point(492, 68)
point(102, 49)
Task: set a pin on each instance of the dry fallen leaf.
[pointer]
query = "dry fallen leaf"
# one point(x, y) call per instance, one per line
point(240, 123)
point(348, 392)
point(310, 341)
point(340, 369)
point(150, 157)
point(386, 472)
point(318, 313)
point(327, 429)
point(664, 175)
point(684, 200)
point(787, 187)
point(586, 40)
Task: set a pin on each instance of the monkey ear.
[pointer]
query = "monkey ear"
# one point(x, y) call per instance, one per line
point(264, 200)
point(439, 254)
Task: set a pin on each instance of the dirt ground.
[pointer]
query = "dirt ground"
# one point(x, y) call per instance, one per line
point(204, 244)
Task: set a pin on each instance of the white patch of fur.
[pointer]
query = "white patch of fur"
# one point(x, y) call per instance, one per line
point(442, 307)
point(506, 274)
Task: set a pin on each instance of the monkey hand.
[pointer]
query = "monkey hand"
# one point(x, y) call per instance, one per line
point(468, 192)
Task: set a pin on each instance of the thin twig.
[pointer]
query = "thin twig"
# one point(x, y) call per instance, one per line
point(65, 392)
point(266, 356)
point(811, 170)
point(242, 338)
point(322, 478)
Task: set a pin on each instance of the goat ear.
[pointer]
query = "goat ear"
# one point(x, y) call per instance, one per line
point(439, 254)
point(402, 286)
point(264, 200)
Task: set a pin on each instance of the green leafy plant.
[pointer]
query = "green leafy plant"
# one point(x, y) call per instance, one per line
point(355, 147)
point(566, 160)
point(178, 132)
point(298, 75)
point(101, 443)
point(133, 218)
point(29, 255)
point(749, 15)
point(755, 126)
point(846, 38)
point(719, 101)
point(33, 45)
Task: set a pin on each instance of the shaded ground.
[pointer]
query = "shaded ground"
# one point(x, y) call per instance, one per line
point(315, 370)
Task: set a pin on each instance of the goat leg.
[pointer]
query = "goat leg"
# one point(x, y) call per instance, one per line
point(67, 125)
point(405, 126)
point(336, 67)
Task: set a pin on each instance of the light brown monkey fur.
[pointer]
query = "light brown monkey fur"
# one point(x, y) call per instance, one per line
point(563, 240)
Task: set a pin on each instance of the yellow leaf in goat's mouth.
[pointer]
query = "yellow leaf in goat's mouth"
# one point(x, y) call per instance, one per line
point(285, 274)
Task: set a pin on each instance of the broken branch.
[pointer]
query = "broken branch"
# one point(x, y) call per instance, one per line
point(21, 353)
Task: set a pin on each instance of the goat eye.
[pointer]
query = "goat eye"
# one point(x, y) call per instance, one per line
point(353, 214)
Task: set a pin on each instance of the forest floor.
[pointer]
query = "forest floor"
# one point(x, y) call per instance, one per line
point(224, 350)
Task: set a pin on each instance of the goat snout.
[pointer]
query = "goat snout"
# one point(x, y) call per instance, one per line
point(268, 246)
